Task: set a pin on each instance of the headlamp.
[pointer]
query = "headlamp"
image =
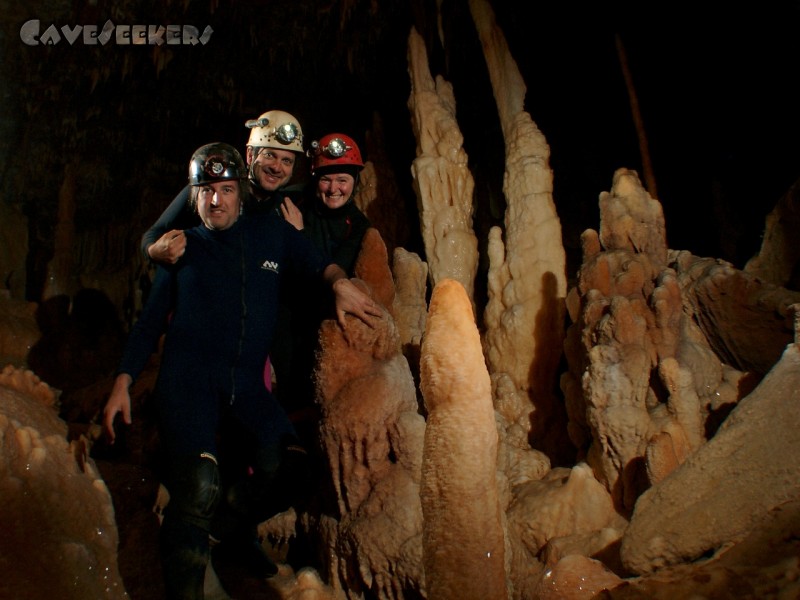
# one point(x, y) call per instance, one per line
point(285, 134)
point(215, 166)
point(335, 148)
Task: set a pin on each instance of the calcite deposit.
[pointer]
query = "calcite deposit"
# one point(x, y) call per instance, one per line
point(372, 433)
point(629, 390)
point(59, 536)
point(442, 181)
point(463, 526)
point(527, 279)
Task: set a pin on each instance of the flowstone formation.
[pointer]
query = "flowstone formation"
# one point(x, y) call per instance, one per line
point(370, 524)
point(59, 535)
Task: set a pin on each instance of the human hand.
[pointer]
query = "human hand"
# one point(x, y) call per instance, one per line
point(168, 248)
point(291, 213)
point(350, 299)
point(118, 401)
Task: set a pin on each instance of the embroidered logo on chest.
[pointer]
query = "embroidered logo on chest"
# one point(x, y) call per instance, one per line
point(270, 265)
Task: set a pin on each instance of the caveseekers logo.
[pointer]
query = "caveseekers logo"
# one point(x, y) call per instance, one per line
point(123, 35)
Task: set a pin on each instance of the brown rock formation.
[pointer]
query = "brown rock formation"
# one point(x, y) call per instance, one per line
point(19, 331)
point(463, 529)
point(718, 295)
point(778, 259)
point(442, 181)
point(59, 536)
point(750, 468)
point(527, 263)
point(372, 435)
point(576, 577)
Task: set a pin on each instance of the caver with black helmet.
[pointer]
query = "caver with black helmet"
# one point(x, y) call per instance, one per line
point(218, 313)
point(216, 162)
point(275, 141)
point(216, 173)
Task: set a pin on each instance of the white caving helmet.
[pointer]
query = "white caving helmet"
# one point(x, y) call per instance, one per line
point(276, 129)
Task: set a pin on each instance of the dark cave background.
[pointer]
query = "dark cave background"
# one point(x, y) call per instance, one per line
point(716, 95)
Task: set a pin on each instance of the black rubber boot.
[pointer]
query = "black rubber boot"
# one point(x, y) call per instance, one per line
point(184, 557)
point(183, 539)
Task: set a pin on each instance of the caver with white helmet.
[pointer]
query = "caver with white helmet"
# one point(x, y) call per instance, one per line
point(275, 142)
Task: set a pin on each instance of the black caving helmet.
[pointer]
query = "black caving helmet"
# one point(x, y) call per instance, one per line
point(216, 162)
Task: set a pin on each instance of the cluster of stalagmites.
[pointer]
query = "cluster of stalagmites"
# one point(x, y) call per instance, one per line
point(685, 463)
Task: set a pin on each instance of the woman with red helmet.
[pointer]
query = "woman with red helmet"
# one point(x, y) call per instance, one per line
point(330, 218)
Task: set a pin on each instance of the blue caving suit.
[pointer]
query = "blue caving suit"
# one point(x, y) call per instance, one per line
point(219, 308)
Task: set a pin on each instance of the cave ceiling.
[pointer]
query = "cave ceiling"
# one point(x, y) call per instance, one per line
point(715, 93)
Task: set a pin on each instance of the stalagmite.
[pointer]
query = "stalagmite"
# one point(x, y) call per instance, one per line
point(631, 391)
point(463, 542)
point(442, 180)
point(372, 435)
point(527, 262)
point(410, 307)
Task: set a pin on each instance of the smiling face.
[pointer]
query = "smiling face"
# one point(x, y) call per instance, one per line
point(218, 203)
point(272, 168)
point(335, 189)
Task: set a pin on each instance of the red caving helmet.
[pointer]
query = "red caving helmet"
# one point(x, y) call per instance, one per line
point(333, 152)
